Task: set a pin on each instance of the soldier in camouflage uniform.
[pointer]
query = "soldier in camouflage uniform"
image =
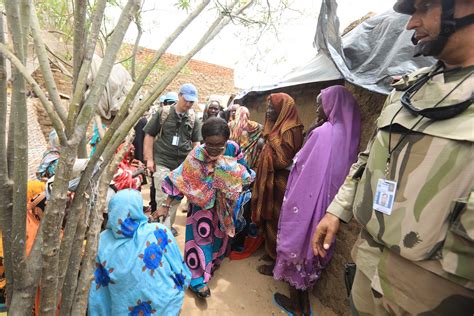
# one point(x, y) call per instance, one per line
point(420, 258)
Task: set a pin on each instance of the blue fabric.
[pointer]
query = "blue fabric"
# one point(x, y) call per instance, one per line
point(95, 139)
point(140, 269)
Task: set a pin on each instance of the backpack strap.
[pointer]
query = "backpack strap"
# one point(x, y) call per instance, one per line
point(165, 113)
point(191, 118)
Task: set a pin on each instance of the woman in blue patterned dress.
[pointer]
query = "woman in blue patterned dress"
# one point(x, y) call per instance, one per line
point(140, 269)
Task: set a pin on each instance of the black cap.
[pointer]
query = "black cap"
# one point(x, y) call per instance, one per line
point(404, 6)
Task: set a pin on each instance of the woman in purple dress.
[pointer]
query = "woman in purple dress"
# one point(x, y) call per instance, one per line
point(319, 169)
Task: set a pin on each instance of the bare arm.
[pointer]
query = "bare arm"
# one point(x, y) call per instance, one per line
point(148, 152)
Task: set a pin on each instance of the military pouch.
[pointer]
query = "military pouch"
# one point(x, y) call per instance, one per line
point(458, 251)
point(349, 274)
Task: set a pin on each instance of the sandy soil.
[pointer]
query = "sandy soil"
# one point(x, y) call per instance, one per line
point(237, 288)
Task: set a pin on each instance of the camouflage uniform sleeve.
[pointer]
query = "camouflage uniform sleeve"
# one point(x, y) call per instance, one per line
point(341, 206)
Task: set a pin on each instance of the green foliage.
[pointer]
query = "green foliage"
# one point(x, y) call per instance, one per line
point(56, 15)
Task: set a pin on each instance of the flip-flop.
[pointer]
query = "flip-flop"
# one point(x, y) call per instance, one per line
point(262, 269)
point(310, 312)
point(266, 258)
point(201, 294)
point(283, 308)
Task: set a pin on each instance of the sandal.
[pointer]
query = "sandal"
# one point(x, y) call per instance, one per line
point(266, 269)
point(266, 258)
point(203, 292)
point(283, 303)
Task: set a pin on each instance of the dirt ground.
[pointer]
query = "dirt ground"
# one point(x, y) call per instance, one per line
point(237, 288)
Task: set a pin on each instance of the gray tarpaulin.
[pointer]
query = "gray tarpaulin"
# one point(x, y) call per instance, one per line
point(368, 56)
point(320, 68)
point(116, 89)
point(373, 52)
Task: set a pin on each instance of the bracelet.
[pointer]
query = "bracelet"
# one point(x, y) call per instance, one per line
point(165, 205)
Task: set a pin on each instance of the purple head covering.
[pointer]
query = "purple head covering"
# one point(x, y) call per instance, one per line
point(320, 168)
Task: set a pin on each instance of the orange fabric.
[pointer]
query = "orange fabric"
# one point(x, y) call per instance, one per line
point(34, 187)
point(34, 195)
point(284, 138)
point(251, 244)
point(287, 116)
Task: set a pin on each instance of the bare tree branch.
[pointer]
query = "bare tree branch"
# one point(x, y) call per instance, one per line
point(88, 109)
point(80, 87)
point(45, 67)
point(130, 121)
point(80, 12)
point(54, 117)
point(138, 23)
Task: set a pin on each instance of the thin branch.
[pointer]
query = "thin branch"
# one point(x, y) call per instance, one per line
point(81, 81)
point(130, 121)
point(98, 85)
point(88, 109)
point(138, 23)
point(80, 12)
point(139, 83)
point(59, 57)
point(46, 68)
point(54, 117)
point(61, 68)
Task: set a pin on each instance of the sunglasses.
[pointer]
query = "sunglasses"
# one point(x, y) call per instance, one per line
point(434, 113)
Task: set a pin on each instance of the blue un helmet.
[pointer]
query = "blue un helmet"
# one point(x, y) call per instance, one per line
point(171, 98)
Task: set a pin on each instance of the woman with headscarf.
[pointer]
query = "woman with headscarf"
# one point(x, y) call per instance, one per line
point(212, 177)
point(319, 169)
point(140, 269)
point(246, 133)
point(283, 134)
point(212, 109)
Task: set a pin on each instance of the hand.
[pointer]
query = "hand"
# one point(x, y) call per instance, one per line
point(150, 165)
point(161, 211)
point(325, 233)
point(260, 143)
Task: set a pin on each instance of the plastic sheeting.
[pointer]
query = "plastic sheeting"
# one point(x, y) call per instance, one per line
point(373, 52)
point(368, 56)
point(116, 89)
point(320, 68)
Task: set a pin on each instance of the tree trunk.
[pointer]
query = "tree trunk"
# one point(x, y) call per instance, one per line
point(5, 183)
point(20, 149)
point(51, 230)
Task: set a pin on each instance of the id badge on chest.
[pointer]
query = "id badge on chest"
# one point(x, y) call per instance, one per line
point(385, 196)
point(175, 141)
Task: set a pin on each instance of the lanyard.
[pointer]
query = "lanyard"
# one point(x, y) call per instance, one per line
point(402, 138)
